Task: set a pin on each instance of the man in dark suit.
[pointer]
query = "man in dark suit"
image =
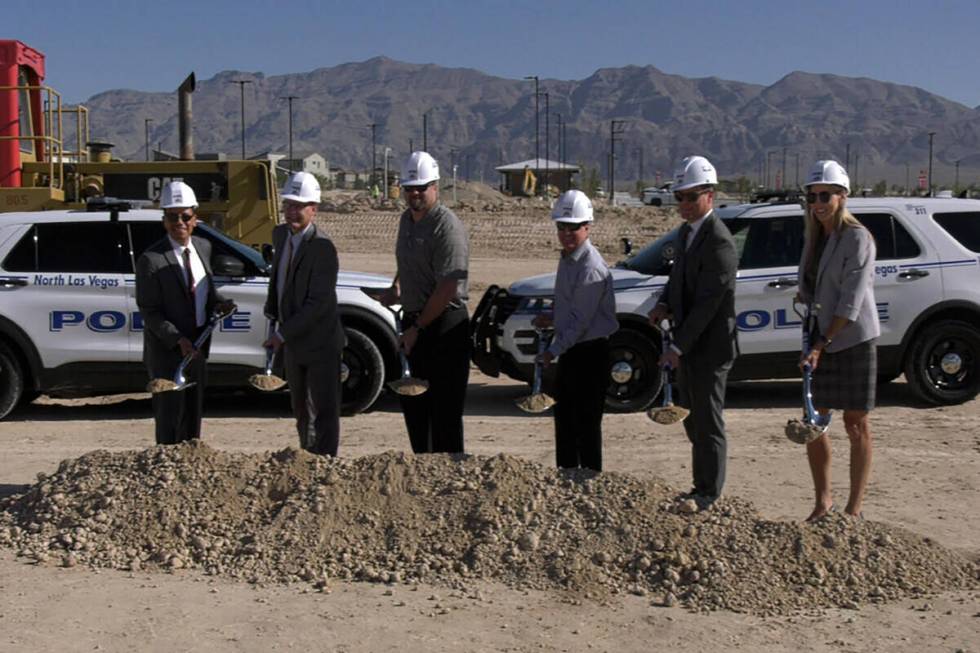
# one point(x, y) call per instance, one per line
point(175, 293)
point(303, 299)
point(700, 298)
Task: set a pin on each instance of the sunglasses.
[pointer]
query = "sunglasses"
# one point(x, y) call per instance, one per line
point(418, 189)
point(823, 197)
point(570, 226)
point(689, 197)
point(173, 217)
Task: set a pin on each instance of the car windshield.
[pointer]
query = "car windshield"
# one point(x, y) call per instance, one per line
point(241, 249)
point(655, 258)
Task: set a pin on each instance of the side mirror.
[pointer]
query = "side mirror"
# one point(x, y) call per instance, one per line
point(227, 266)
point(268, 253)
point(627, 246)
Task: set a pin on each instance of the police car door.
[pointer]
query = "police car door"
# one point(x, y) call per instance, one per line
point(905, 263)
point(74, 304)
point(769, 254)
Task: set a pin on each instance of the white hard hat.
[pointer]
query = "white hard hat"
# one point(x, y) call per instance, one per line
point(694, 171)
point(573, 206)
point(301, 187)
point(178, 195)
point(828, 172)
point(419, 169)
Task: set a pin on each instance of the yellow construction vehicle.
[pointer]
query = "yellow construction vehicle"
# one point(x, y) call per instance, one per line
point(39, 172)
point(530, 182)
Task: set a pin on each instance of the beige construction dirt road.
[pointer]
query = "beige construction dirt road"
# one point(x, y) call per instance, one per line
point(926, 478)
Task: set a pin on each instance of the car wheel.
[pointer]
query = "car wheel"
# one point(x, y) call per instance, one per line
point(634, 377)
point(362, 373)
point(943, 365)
point(11, 381)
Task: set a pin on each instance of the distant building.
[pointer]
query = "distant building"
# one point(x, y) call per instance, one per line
point(554, 173)
point(314, 163)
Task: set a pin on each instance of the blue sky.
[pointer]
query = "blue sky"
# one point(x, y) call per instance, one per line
point(107, 44)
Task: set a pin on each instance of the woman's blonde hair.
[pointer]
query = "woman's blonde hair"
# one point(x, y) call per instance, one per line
point(842, 219)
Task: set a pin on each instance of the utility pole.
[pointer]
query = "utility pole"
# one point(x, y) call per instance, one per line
point(425, 131)
point(847, 157)
point(537, 119)
point(289, 101)
point(241, 85)
point(547, 140)
point(857, 160)
point(639, 153)
point(782, 182)
point(797, 169)
point(387, 153)
point(956, 184)
point(616, 129)
point(931, 134)
point(561, 155)
point(907, 179)
point(374, 150)
point(146, 134)
point(769, 170)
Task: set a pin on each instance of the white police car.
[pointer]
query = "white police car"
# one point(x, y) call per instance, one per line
point(70, 327)
point(927, 288)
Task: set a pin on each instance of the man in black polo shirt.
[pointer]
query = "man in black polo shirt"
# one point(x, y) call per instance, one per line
point(432, 252)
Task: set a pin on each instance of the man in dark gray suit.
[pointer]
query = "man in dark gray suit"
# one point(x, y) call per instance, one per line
point(700, 297)
point(175, 293)
point(303, 299)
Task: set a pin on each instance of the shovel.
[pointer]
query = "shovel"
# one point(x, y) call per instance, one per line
point(666, 412)
point(537, 401)
point(813, 424)
point(179, 381)
point(267, 382)
point(406, 385)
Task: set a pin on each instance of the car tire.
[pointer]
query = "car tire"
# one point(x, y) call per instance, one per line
point(634, 353)
point(943, 363)
point(11, 381)
point(366, 373)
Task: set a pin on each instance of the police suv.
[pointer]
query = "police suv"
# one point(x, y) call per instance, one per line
point(927, 287)
point(70, 327)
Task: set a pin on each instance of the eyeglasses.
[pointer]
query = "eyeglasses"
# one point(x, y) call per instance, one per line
point(570, 226)
point(689, 197)
point(421, 188)
point(174, 217)
point(823, 197)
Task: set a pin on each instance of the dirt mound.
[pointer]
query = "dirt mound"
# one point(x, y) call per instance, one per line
point(289, 516)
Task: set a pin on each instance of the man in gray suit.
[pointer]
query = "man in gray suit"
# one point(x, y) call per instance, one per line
point(700, 296)
point(303, 299)
point(175, 293)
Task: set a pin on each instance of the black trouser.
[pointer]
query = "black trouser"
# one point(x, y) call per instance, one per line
point(442, 357)
point(177, 414)
point(701, 389)
point(580, 398)
point(315, 394)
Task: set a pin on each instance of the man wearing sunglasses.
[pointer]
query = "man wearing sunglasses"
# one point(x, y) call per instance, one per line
point(584, 317)
point(432, 252)
point(699, 298)
point(176, 295)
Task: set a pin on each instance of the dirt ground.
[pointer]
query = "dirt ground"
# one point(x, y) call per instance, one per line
point(926, 478)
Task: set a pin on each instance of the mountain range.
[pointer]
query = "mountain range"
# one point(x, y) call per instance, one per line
point(480, 121)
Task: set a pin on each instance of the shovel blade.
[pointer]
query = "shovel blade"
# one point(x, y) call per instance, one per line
point(800, 432)
point(536, 403)
point(669, 414)
point(266, 382)
point(409, 386)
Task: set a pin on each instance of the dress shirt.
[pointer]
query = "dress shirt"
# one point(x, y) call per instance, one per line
point(201, 282)
point(585, 307)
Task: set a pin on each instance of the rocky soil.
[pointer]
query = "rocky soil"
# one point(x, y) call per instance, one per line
point(290, 517)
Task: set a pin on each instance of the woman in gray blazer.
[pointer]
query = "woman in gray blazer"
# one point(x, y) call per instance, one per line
point(836, 276)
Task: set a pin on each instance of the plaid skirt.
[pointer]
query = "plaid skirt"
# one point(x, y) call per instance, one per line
point(847, 379)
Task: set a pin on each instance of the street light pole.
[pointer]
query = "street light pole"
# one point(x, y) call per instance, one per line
point(931, 134)
point(146, 134)
point(425, 131)
point(769, 170)
point(289, 100)
point(537, 118)
point(639, 153)
point(956, 184)
point(374, 149)
point(616, 128)
point(547, 140)
point(241, 85)
point(387, 152)
point(782, 178)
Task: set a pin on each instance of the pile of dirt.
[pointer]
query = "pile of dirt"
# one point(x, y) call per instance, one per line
point(288, 516)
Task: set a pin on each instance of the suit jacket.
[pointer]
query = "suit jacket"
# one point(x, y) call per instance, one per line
point(307, 311)
point(845, 287)
point(164, 303)
point(700, 293)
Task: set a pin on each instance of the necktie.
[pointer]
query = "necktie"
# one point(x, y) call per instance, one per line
point(190, 276)
point(685, 233)
point(284, 271)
